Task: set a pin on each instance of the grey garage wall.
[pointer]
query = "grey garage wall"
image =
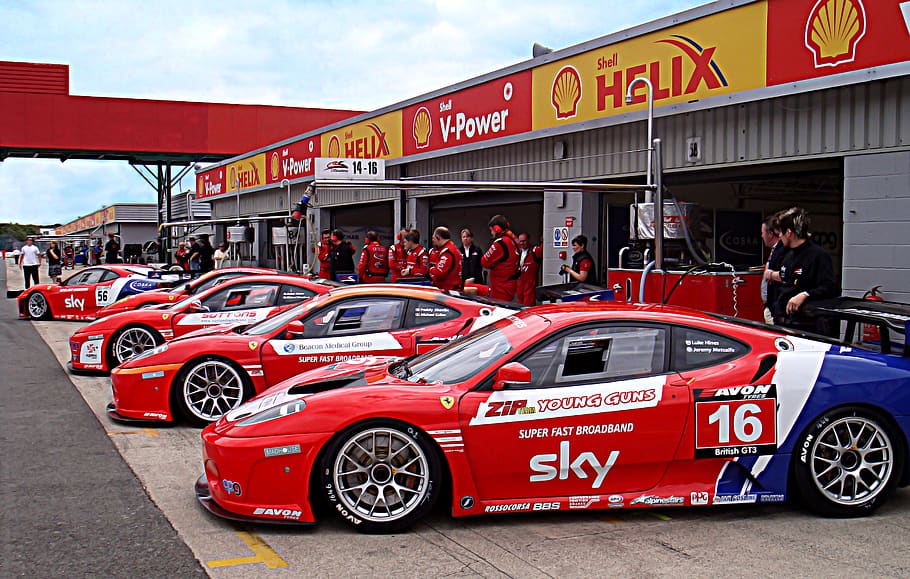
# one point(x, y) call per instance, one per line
point(877, 224)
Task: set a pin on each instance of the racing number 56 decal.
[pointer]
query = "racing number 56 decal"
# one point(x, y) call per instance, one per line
point(735, 421)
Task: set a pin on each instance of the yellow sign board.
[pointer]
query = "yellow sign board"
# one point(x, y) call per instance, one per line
point(246, 173)
point(376, 138)
point(719, 54)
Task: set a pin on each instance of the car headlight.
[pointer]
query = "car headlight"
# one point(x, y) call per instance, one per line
point(152, 352)
point(280, 411)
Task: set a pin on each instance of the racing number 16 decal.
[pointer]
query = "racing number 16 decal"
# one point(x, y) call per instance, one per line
point(735, 421)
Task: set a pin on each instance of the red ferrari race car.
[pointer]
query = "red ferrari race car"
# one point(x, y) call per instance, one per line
point(80, 296)
point(571, 407)
point(109, 341)
point(181, 290)
point(202, 377)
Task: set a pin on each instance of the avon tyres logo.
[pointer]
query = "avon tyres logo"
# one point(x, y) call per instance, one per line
point(704, 69)
point(833, 30)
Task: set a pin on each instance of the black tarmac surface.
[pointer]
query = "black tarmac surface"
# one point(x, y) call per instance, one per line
point(69, 505)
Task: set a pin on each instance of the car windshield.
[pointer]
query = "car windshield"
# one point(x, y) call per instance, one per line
point(269, 325)
point(458, 361)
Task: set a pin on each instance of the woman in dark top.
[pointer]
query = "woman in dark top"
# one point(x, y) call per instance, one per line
point(54, 262)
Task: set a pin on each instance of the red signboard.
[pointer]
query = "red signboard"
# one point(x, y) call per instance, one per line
point(210, 183)
point(291, 161)
point(494, 109)
point(812, 38)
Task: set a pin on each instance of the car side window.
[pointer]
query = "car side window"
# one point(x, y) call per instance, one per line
point(89, 276)
point(291, 294)
point(217, 280)
point(356, 317)
point(424, 313)
point(695, 348)
point(598, 353)
point(77, 278)
point(242, 297)
point(108, 275)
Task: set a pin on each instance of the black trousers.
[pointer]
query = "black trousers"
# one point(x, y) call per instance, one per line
point(31, 272)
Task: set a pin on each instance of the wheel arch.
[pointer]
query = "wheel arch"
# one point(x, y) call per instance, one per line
point(109, 348)
point(174, 387)
point(903, 475)
point(317, 500)
point(49, 315)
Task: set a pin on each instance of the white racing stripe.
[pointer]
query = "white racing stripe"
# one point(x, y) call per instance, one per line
point(363, 344)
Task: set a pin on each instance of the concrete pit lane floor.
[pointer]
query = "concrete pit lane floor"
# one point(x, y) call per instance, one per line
point(69, 508)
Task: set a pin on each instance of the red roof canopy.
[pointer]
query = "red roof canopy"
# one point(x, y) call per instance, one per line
point(39, 118)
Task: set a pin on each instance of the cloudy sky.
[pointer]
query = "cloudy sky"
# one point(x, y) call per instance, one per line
point(282, 52)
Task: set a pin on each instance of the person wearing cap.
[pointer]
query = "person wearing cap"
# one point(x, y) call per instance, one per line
point(30, 261)
point(111, 249)
point(501, 259)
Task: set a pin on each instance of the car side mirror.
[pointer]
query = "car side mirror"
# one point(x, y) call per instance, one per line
point(196, 306)
point(512, 374)
point(294, 330)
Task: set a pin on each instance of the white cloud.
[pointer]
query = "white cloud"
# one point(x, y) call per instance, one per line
point(351, 55)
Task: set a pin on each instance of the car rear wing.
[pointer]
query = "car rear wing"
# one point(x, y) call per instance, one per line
point(573, 292)
point(891, 319)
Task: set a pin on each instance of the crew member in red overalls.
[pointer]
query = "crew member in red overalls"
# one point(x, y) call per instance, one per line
point(502, 260)
point(416, 258)
point(374, 260)
point(446, 272)
point(396, 258)
point(529, 260)
point(325, 245)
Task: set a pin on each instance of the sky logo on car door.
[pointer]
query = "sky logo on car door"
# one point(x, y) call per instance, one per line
point(549, 466)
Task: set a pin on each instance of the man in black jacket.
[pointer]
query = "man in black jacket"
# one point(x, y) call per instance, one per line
point(341, 256)
point(807, 271)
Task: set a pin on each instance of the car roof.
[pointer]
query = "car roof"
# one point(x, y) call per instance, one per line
point(569, 312)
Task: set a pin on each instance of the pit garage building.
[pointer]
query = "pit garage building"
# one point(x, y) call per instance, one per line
point(759, 105)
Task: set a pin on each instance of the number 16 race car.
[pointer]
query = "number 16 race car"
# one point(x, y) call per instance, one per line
point(571, 407)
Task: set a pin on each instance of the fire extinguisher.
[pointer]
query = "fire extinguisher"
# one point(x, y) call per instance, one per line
point(870, 331)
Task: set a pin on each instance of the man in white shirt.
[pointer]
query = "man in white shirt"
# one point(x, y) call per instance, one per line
point(30, 261)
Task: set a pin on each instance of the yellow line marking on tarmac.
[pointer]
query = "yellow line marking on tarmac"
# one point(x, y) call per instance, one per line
point(150, 432)
point(263, 554)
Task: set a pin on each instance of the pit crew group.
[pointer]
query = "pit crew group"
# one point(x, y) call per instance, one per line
point(509, 270)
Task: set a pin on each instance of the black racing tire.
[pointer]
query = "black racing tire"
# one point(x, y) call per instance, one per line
point(37, 306)
point(381, 476)
point(130, 341)
point(209, 387)
point(848, 462)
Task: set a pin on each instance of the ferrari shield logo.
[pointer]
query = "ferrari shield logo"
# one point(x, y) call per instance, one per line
point(252, 345)
point(447, 402)
point(165, 316)
point(172, 298)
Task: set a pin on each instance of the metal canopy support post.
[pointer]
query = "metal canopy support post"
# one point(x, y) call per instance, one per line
point(658, 211)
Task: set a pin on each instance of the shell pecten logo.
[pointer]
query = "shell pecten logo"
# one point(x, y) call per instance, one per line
point(566, 92)
point(833, 30)
point(275, 166)
point(422, 128)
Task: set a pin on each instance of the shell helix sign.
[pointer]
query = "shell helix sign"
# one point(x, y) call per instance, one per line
point(247, 173)
point(376, 138)
point(694, 60)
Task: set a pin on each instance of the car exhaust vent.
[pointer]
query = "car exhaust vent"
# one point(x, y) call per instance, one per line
point(764, 367)
point(314, 388)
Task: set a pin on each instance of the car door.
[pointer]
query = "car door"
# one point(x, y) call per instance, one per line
point(338, 331)
point(76, 296)
point(599, 416)
point(239, 303)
